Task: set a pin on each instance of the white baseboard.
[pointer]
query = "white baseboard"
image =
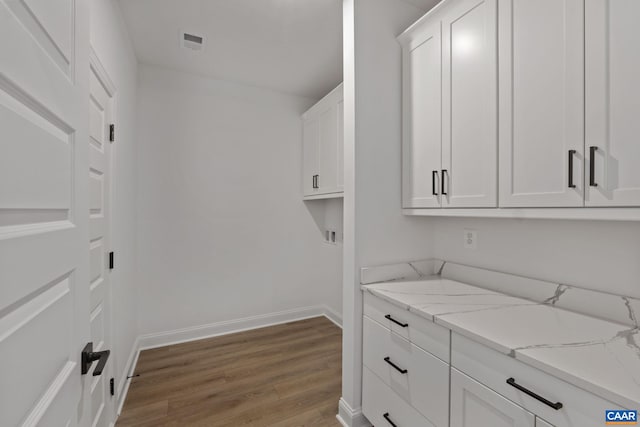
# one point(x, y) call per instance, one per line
point(350, 417)
point(162, 339)
point(123, 384)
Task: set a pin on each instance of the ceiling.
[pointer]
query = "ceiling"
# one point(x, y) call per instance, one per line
point(291, 46)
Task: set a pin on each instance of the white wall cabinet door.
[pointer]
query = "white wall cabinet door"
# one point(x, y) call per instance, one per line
point(327, 180)
point(422, 118)
point(473, 404)
point(612, 106)
point(469, 104)
point(311, 155)
point(44, 261)
point(323, 146)
point(541, 113)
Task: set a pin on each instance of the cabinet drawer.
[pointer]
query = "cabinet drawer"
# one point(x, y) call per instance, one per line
point(491, 368)
point(379, 400)
point(420, 331)
point(413, 374)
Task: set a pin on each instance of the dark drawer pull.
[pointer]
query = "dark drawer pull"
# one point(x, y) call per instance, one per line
point(434, 186)
point(399, 369)
point(445, 179)
point(386, 417)
point(592, 166)
point(572, 153)
point(555, 406)
point(388, 316)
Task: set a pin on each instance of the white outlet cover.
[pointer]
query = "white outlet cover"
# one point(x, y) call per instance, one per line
point(470, 239)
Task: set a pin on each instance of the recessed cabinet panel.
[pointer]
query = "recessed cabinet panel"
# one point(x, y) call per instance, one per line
point(612, 102)
point(422, 120)
point(469, 105)
point(541, 68)
point(310, 149)
point(473, 404)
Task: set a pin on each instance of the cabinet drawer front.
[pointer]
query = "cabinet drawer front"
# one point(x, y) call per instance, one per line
point(421, 332)
point(379, 400)
point(473, 404)
point(415, 375)
point(579, 407)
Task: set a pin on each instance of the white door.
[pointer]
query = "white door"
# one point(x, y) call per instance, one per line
point(474, 405)
point(422, 119)
point(327, 180)
point(340, 171)
point(100, 119)
point(541, 113)
point(44, 292)
point(612, 102)
point(469, 105)
point(310, 154)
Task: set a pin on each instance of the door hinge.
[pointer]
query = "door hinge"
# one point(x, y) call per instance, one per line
point(111, 261)
point(112, 132)
point(112, 387)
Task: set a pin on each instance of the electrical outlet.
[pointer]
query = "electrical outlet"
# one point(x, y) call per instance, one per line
point(470, 239)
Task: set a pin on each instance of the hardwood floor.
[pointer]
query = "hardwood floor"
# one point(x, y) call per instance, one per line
point(284, 375)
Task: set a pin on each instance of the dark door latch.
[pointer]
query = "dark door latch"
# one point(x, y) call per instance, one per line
point(89, 356)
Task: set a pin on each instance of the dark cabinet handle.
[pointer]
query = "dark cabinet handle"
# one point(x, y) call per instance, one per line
point(399, 369)
point(314, 183)
point(592, 166)
point(572, 153)
point(434, 185)
point(512, 383)
point(89, 356)
point(317, 181)
point(445, 177)
point(386, 417)
point(388, 317)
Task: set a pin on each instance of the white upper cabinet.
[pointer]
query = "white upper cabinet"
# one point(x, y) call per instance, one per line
point(422, 118)
point(612, 49)
point(469, 104)
point(541, 89)
point(323, 157)
point(449, 107)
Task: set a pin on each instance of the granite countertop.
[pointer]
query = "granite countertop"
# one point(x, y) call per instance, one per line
point(596, 355)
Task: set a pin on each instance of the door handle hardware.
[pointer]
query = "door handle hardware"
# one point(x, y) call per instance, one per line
point(592, 166)
point(572, 154)
point(434, 185)
point(556, 405)
point(89, 356)
point(445, 177)
point(386, 417)
point(397, 368)
point(388, 317)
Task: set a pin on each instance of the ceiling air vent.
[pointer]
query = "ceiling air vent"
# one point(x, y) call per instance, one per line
point(191, 41)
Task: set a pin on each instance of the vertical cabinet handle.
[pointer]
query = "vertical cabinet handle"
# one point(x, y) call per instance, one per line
point(386, 417)
point(314, 182)
point(434, 185)
point(592, 166)
point(572, 153)
point(445, 177)
point(317, 181)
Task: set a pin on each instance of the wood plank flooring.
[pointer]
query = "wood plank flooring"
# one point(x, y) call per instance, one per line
point(285, 376)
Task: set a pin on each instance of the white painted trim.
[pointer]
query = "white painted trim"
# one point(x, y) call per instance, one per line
point(101, 72)
point(123, 384)
point(338, 195)
point(595, 214)
point(350, 417)
point(336, 318)
point(162, 339)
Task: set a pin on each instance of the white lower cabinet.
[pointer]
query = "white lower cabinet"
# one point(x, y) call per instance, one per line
point(416, 376)
point(542, 423)
point(474, 405)
point(384, 408)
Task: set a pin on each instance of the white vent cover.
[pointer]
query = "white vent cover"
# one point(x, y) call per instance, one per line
point(189, 40)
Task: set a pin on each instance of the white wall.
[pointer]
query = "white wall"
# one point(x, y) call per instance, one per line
point(223, 232)
point(375, 230)
point(598, 255)
point(110, 41)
